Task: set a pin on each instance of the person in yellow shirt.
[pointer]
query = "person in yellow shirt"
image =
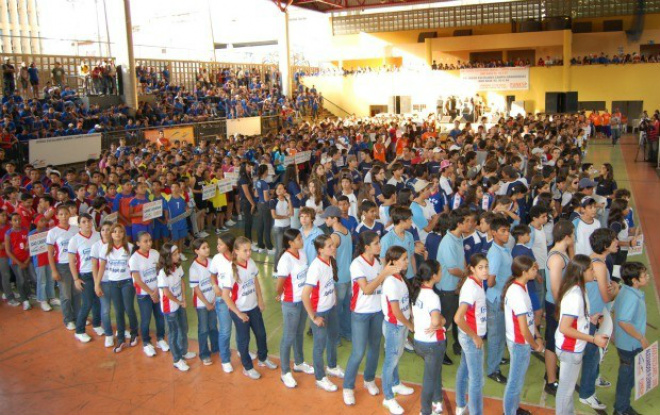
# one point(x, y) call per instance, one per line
point(219, 202)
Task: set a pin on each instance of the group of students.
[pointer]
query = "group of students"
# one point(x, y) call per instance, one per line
point(498, 233)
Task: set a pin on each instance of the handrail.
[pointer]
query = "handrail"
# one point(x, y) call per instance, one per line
point(337, 106)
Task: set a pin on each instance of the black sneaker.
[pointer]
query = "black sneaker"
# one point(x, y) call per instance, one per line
point(631, 411)
point(457, 349)
point(551, 388)
point(522, 411)
point(504, 361)
point(447, 361)
point(309, 331)
point(498, 377)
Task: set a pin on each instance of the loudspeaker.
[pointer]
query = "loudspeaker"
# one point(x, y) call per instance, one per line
point(582, 27)
point(397, 104)
point(552, 102)
point(463, 32)
point(120, 80)
point(561, 102)
point(571, 102)
point(612, 25)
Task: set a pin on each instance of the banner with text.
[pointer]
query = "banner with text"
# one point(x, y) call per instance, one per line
point(165, 137)
point(646, 370)
point(497, 79)
point(64, 150)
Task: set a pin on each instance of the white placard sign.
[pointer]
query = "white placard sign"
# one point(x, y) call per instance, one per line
point(303, 156)
point(152, 210)
point(208, 191)
point(64, 150)
point(497, 79)
point(289, 160)
point(111, 217)
point(37, 243)
point(646, 370)
point(244, 126)
point(225, 186)
point(233, 176)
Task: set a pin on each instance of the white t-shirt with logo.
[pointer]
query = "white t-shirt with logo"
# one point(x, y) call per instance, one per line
point(81, 246)
point(145, 265)
point(517, 303)
point(94, 253)
point(221, 265)
point(362, 303)
point(243, 290)
point(395, 290)
point(172, 281)
point(320, 277)
point(200, 276)
point(116, 262)
point(573, 305)
point(59, 238)
point(426, 303)
point(474, 295)
point(293, 268)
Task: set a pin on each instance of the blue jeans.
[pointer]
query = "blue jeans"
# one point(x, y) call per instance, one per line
point(224, 329)
point(520, 354)
point(177, 327)
point(496, 336)
point(569, 370)
point(256, 323)
point(293, 315)
point(470, 376)
point(122, 294)
point(325, 337)
point(147, 308)
point(45, 283)
point(395, 337)
point(366, 332)
point(106, 305)
point(89, 302)
point(626, 379)
point(433, 355)
point(343, 290)
point(22, 282)
point(590, 367)
point(69, 296)
point(207, 330)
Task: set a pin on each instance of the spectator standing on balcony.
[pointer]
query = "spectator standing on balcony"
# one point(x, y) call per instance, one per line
point(58, 75)
point(83, 72)
point(109, 76)
point(24, 78)
point(166, 74)
point(9, 83)
point(33, 71)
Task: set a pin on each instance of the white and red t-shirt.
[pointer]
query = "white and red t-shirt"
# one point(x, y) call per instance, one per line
point(172, 281)
point(320, 277)
point(81, 246)
point(293, 268)
point(94, 253)
point(243, 290)
point(200, 276)
point(395, 290)
point(516, 304)
point(146, 266)
point(473, 294)
point(221, 264)
point(116, 262)
point(369, 271)
point(426, 303)
point(59, 237)
point(573, 305)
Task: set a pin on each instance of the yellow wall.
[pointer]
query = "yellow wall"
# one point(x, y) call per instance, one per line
point(594, 83)
point(368, 63)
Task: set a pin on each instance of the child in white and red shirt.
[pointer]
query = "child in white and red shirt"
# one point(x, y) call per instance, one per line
point(204, 301)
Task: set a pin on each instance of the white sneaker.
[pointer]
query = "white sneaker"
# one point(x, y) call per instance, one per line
point(593, 402)
point(55, 301)
point(240, 217)
point(70, 326)
point(83, 338)
point(349, 397)
point(271, 251)
point(304, 368)
point(336, 371)
point(26, 305)
point(207, 361)
point(408, 346)
point(13, 303)
point(372, 388)
point(45, 306)
point(149, 350)
point(393, 406)
point(253, 355)
point(252, 374)
point(227, 367)
point(461, 411)
point(98, 330)
point(288, 380)
point(602, 383)
point(267, 363)
point(402, 390)
point(183, 257)
point(109, 341)
point(436, 407)
point(255, 248)
point(326, 385)
point(162, 345)
point(203, 234)
point(4, 297)
point(230, 222)
point(182, 365)
point(189, 355)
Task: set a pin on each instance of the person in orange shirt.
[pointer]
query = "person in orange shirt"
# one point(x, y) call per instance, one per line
point(380, 150)
point(606, 117)
point(597, 122)
point(401, 143)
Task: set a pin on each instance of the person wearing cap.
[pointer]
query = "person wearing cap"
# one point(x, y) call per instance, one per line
point(585, 225)
point(587, 187)
point(446, 171)
point(423, 212)
point(342, 240)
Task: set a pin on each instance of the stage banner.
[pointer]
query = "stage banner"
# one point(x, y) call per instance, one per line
point(497, 79)
point(244, 126)
point(64, 150)
point(165, 137)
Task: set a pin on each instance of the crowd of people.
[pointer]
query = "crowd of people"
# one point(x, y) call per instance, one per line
point(616, 59)
point(386, 233)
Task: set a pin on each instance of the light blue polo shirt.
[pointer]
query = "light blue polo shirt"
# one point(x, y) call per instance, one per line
point(408, 243)
point(629, 307)
point(450, 255)
point(308, 243)
point(499, 264)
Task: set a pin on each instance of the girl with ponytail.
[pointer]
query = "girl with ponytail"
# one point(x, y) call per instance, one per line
point(521, 334)
point(367, 276)
point(221, 265)
point(430, 340)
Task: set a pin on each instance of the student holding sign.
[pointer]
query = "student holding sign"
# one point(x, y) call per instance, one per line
point(136, 205)
point(45, 283)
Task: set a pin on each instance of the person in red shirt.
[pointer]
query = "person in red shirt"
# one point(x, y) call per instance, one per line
point(25, 210)
point(5, 272)
point(10, 200)
point(47, 208)
point(16, 246)
point(45, 283)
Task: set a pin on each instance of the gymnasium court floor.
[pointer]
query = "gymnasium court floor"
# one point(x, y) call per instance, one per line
point(43, 369)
